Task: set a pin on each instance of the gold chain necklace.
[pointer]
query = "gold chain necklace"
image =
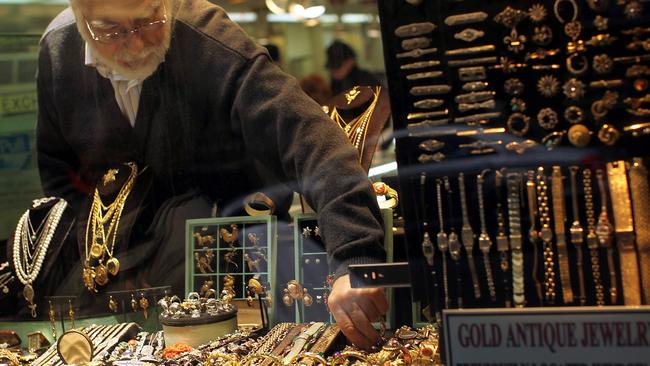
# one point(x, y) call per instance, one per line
point(357, 129)
point(101, 232)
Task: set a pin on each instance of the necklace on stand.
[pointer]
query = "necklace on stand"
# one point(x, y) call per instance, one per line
point(101, 231)
point(357, 129)
point(30, 247)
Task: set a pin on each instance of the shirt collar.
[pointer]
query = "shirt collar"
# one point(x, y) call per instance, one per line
point(105, 71)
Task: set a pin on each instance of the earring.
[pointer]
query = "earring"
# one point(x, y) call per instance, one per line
point(71, 312)
point(306, 232)
point(134, 303)
point(306, 298)
point(51, 316)
point(144, 304)
point(112, 304)
point(316, 231)
point(286, 299)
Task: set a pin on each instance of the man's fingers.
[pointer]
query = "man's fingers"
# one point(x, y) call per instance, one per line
point(378, 297)
point(363, 324)
point(349, 329)
point(369, 308)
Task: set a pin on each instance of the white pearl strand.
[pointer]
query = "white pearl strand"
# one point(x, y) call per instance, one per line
point(27, 275)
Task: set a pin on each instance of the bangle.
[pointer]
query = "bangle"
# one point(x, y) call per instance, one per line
point(547, 118)
point(556, 9)
point(258, 204)
point(319, 360)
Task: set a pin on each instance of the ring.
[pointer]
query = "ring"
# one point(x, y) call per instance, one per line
point(547, 118)
point(517, 105)
point(548, 86)
point(537, 13)
point(603, 64)
point(574, 89)
point(608, 135)
point(513, 87)
point(574, 114)
point(258, 204)
point(556, 9)
point(542, 35)
point(584, 64)
point(516, 119)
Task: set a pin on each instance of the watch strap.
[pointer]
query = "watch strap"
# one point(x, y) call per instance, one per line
point(559, 215)
point(641, 209)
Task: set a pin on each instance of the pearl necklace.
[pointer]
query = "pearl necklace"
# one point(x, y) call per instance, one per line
point(28, 266)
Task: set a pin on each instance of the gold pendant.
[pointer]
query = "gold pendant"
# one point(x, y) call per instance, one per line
point(113, 266)
point(89, 279)
point(96, 250)
point(110, 176)
point(101, 275)
point(28, 294)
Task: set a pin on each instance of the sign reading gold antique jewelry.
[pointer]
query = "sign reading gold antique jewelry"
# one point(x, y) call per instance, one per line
point(552, 336)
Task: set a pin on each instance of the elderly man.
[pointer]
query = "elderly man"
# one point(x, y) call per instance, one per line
point(181, 90)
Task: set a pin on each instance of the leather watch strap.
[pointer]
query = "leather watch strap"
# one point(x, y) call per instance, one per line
point(641, 206)
point(624, 227)
point(533, 233)
point(559, 216)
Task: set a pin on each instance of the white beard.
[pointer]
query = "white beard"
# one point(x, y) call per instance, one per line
point(143, 64)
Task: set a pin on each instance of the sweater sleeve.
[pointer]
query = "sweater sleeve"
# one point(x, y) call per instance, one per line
point(288, 132)
point(57, 162)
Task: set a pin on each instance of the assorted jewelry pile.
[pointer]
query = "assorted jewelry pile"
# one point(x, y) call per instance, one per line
point(556, 72)
point(194, 306)
point(553, 228)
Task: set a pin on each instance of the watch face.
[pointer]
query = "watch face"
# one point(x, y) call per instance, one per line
point(484, 242)
point(546, 234)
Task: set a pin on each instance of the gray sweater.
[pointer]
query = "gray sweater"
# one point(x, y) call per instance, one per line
point(217, 117)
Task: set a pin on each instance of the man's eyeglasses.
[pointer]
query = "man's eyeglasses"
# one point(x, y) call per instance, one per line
point(122, 34)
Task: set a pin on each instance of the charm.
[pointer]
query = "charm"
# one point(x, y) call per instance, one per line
point(109, 177)
point(351, 95)
point(469, 35)
point(229, 258)
point(306, 298)
point(608, 135)
point(537, 13)
point(89, 278)
point(28, 294)
point(204, 240)
point(515, 41)
point(113, 266)
point(112, 304)
point(601, 23)
point(144, 304)
point(603, 64)
point(579, 135)
point(548, 86)
point(134, 303)
point(101, 275)
point(510, 17)
point(574, 114)
point(230, 237)
point(542, 35)
point(574, 89)
point(317, 231)
point(517, 105)
point(513, 87)
point(547, 118)
point(286, 299)
point(96, 250)
point(306, 232)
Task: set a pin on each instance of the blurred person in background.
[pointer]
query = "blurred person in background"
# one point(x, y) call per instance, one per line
point(343, 68)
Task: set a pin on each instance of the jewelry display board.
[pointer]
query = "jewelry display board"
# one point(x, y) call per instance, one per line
point(225, 253)
point(312, 270)
point(517, 127)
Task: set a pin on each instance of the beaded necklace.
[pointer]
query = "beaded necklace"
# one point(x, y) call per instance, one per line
point(28, 264)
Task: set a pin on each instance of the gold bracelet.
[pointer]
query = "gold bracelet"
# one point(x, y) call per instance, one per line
point(624, 226)
point(533, 233)
point(546, 234)
point(268, 358)
point(641, 206)
point(592, 238)
point(467, 236)
point(255, 201)
point(9, 356)
point(559, 215)
point(342, 358)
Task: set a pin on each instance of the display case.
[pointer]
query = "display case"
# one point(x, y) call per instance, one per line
point(521, 134)
point(226, 253)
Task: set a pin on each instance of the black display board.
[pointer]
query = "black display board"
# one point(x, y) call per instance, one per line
point(508, 45)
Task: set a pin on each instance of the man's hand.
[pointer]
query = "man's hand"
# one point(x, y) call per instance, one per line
point(355, 309)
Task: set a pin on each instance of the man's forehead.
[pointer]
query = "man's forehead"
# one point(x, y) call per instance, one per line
point(117, 10)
